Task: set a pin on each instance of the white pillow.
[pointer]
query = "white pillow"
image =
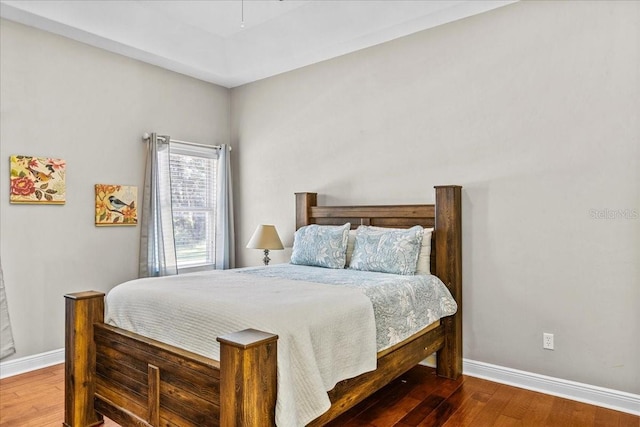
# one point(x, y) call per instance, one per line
point(424, 256)
point(351, 242)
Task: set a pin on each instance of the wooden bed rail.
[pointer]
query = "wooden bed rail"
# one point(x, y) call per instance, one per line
point(152, 375)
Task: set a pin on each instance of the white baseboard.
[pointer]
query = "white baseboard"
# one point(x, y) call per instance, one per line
point(31, 363)
point(594, 395)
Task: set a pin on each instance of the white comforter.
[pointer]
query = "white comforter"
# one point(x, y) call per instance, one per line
point(326, 333)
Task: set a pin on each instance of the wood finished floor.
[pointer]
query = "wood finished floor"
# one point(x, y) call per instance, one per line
point(417, 399)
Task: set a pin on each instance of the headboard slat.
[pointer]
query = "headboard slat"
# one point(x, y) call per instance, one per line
point(392, 211)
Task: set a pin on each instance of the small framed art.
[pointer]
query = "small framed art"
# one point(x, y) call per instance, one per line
point(116, 205)
point(37, 180)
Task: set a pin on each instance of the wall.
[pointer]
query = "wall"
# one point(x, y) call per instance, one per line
point(533, 108)
point(61, 98)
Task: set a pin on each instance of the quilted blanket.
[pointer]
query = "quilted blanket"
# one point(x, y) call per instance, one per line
point(326, 333)
point(402, 305)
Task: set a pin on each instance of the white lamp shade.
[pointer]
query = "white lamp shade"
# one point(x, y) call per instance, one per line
point(265, 237)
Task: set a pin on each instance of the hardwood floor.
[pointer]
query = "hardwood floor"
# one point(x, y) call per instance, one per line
point(34, 399)
point(417, 399)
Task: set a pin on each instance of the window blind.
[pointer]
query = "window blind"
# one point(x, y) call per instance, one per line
point(193, 196)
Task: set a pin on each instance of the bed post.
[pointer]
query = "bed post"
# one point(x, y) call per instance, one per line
point(448, 236)
point(83, 309)
point(248, 378)
point(304, 202)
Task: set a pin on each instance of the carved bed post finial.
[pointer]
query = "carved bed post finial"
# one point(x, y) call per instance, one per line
point(448, 241)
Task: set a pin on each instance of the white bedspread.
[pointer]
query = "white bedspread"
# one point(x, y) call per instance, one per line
point(326, 333)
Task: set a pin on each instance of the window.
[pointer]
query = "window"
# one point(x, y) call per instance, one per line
point(193, 196)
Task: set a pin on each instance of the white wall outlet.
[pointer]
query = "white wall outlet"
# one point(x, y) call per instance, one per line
point(547, 341)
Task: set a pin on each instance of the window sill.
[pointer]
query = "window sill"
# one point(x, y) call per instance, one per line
point(196, 268)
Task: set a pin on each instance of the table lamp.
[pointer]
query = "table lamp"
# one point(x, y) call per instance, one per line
point(265, 237)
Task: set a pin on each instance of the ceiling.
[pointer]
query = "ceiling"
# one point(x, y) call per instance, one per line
point(234, 42)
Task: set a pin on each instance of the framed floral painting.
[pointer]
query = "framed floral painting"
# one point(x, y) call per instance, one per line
point(116, 205)
point(37, 180)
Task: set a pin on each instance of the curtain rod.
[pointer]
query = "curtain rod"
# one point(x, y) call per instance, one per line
point(146, 136)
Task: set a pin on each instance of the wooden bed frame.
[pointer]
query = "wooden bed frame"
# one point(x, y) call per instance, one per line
point(137, 381)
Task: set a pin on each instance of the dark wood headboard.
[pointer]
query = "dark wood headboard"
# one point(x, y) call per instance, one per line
point(445, 216)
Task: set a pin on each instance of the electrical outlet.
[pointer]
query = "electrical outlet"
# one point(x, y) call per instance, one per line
point(547, 341)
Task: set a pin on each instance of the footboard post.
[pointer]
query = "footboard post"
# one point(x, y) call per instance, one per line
point(83, 309)
point(248, 379)
point(448, 241)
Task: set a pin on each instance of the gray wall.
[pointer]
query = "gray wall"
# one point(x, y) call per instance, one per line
point(534, 109)
point(61, 98)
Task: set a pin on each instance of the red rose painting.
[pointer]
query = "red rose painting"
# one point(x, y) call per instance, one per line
point(37, 180)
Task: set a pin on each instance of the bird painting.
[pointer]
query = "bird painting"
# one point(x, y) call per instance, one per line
point(37, 180)
point(118, 204)
point(40, 176)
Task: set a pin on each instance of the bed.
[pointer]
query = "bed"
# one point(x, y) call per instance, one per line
point(140, 381)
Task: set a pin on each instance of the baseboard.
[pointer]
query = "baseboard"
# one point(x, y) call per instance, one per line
point(594, 395)
point(31, 363)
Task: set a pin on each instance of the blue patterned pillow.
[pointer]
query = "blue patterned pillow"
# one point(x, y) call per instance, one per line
point(321, 245)
point(387, 250)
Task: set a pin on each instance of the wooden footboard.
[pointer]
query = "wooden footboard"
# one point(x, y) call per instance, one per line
point(138, 381)
point(157, 384)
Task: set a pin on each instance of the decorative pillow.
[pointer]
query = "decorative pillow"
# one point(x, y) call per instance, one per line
point(387, 250)
point(424, 256)
point(423, 265)
point(321, 245)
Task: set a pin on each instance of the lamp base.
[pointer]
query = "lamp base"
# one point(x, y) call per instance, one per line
point(266, 258)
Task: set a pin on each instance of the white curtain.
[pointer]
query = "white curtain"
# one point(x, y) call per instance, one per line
point(157, 245)
point(225, 247)
point(7, 347)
